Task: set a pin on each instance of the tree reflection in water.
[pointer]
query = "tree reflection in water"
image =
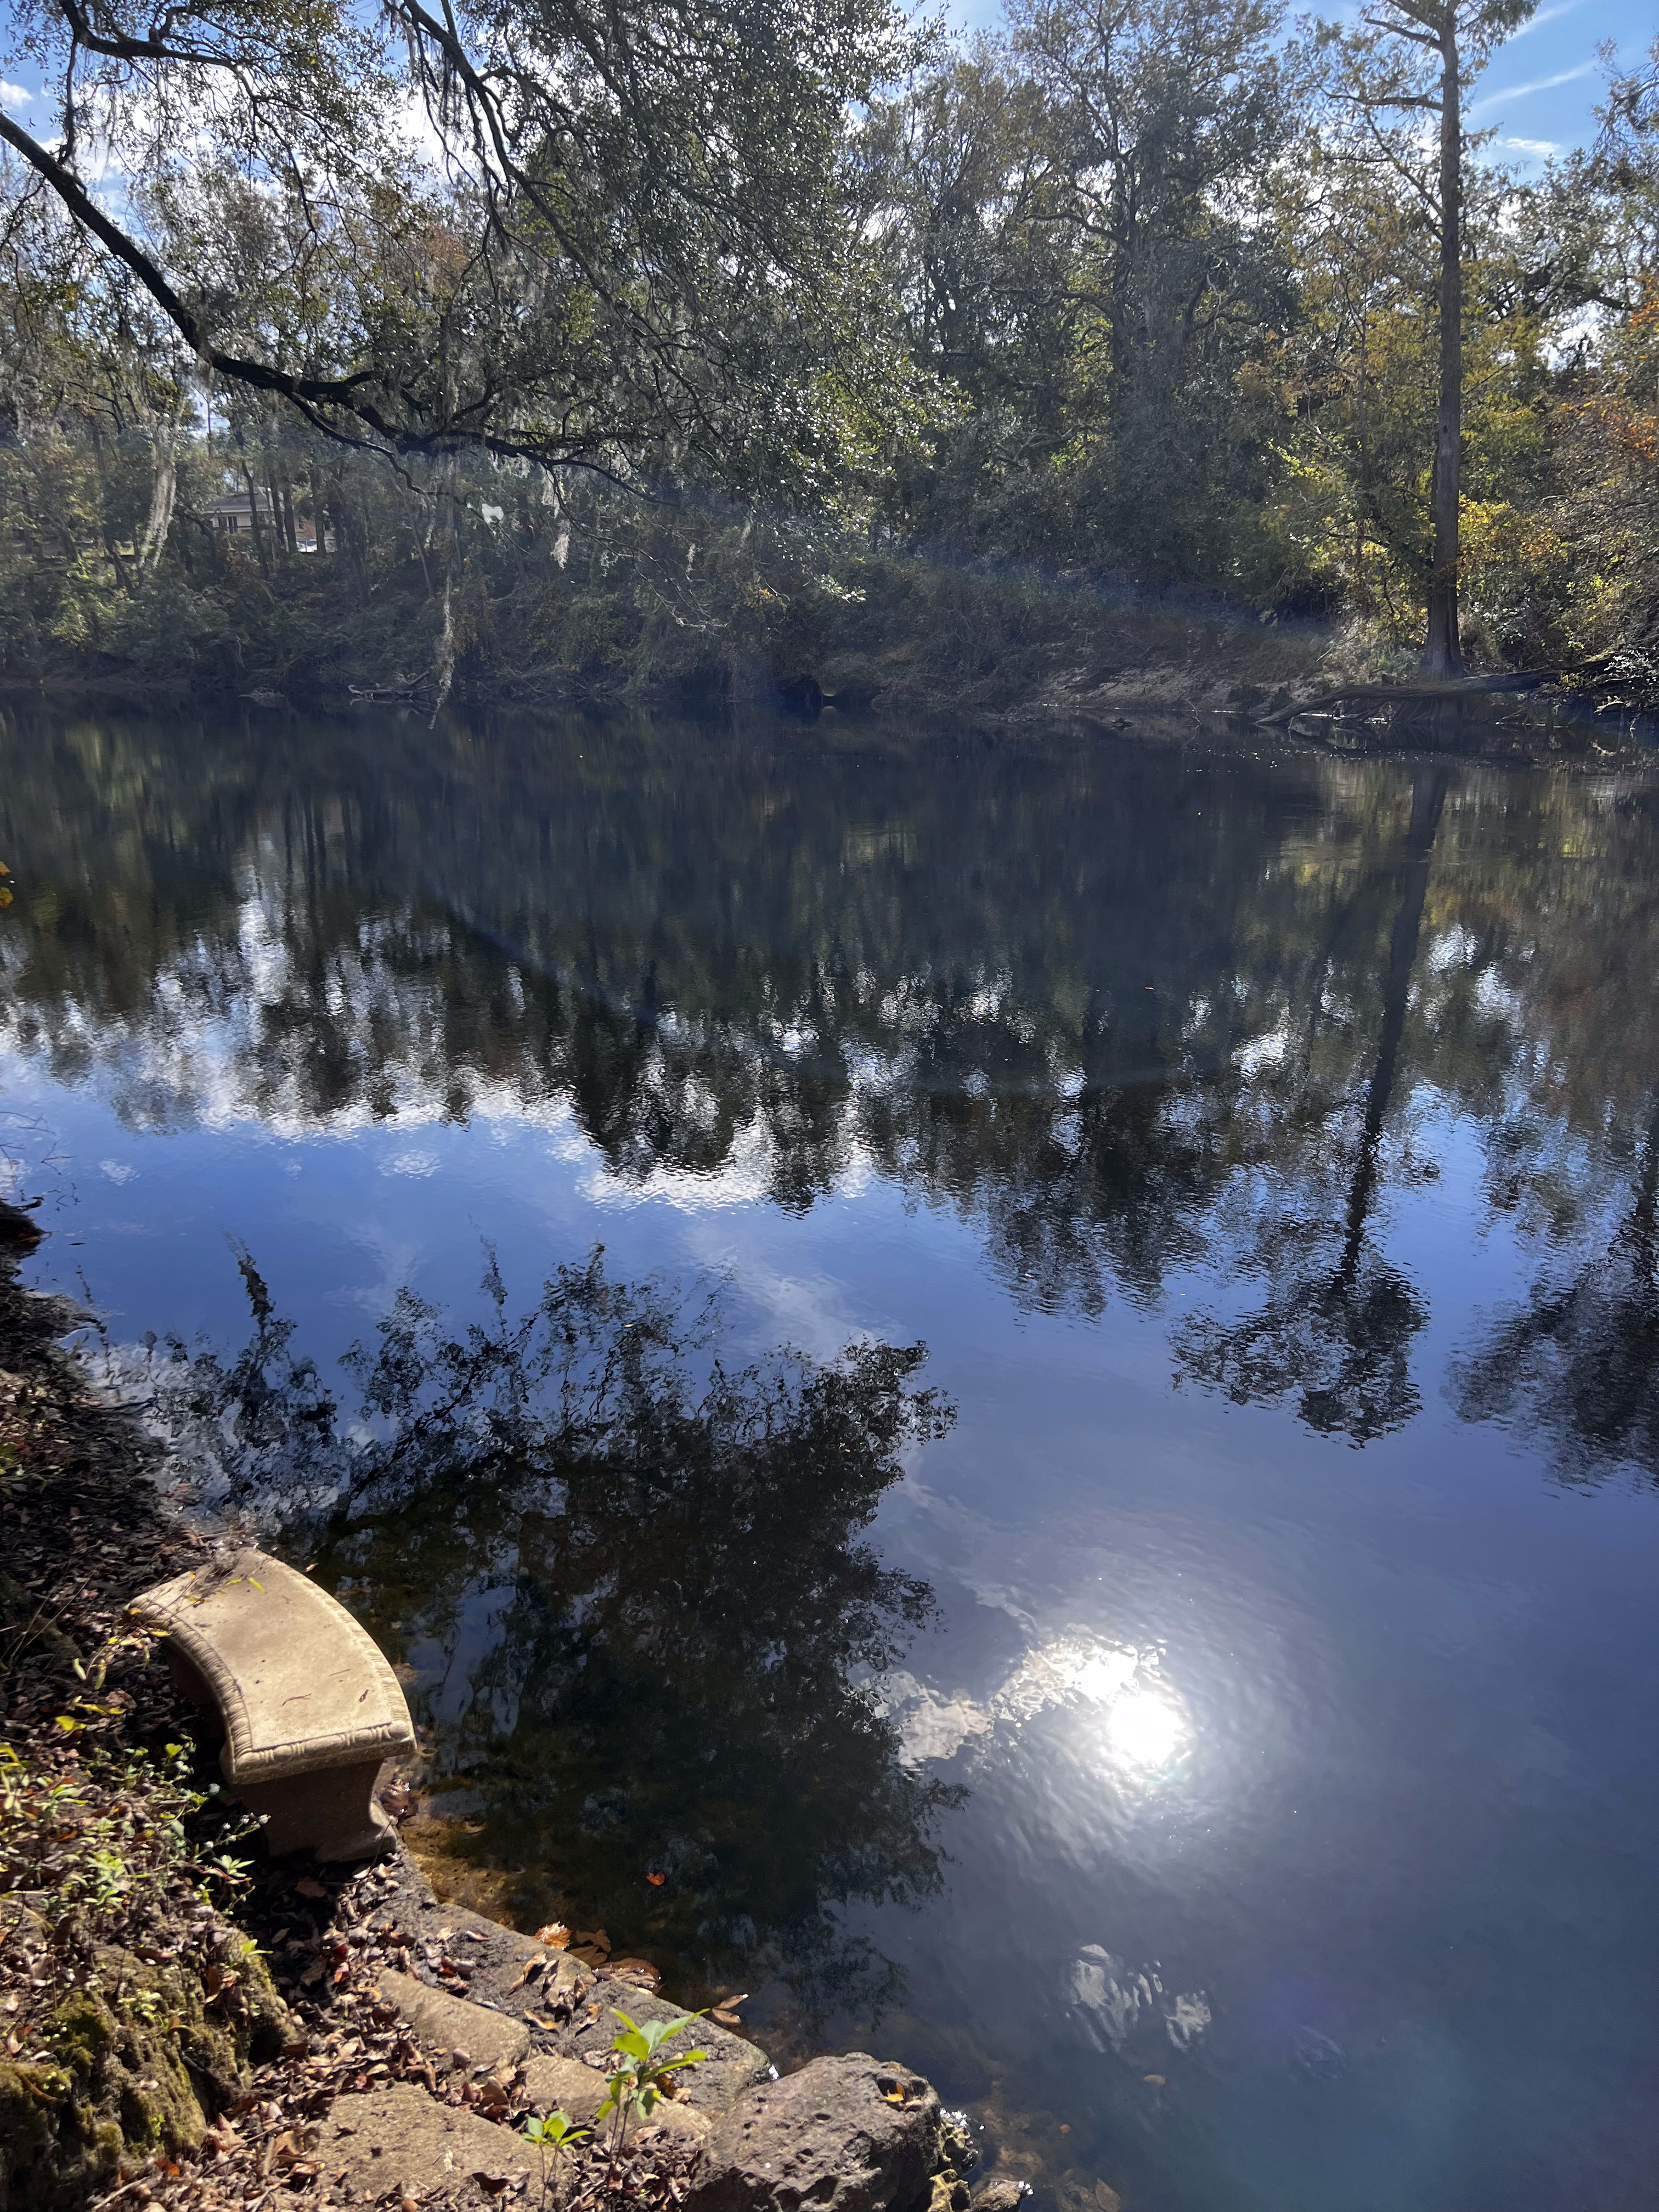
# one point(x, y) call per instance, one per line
point(1338, 1333)
point(633, 1583)
point(1130, 1015)
point(1582, 1359)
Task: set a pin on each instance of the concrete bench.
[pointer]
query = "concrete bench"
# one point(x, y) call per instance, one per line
point(309, 1708)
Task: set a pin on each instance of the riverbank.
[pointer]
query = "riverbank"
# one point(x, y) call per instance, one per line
point(906, 633)
point(904, 641)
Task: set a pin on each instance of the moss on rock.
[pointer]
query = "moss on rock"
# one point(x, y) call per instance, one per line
point(143, 2052)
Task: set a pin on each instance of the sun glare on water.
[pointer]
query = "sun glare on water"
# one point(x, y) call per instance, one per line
point(1146, 1733)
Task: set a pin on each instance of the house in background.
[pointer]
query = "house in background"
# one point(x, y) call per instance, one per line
point(233, 517)
point(234, 514)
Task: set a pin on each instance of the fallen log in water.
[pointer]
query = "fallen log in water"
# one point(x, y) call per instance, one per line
point(1465, 690)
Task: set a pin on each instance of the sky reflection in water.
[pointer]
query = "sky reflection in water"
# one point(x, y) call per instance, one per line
point(1267, 1150)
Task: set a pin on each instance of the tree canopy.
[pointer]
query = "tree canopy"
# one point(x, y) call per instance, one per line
point(1182, 298)
point(569, 232)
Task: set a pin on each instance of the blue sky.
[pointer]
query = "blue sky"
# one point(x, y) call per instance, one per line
point(1541, 88)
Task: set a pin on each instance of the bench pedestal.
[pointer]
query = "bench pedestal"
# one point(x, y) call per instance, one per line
point(329, 1812)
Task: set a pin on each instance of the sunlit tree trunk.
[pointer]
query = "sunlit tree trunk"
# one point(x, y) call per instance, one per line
point(1441, 653)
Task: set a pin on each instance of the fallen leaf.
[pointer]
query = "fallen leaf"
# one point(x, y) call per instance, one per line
point(556, 1936)
point(491, 2184)
point(656, 1880)
point(1108, 2199)
point(305, 1887)
point(638, 1971)
point(528, 1972)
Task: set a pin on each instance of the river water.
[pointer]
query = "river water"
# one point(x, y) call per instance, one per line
point(1224, 1758)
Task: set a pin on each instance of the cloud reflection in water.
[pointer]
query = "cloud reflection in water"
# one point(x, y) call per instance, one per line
point(1145, 1730)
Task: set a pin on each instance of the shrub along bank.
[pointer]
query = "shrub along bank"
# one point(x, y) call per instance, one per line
point(605, 598)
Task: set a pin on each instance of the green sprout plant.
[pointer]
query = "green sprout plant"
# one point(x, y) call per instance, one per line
point(642, 2072)
point(556, 2133)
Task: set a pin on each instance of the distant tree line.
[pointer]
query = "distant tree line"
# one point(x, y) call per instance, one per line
point(570, 338)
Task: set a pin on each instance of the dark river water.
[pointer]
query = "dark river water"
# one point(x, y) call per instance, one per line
point(1224, 1756)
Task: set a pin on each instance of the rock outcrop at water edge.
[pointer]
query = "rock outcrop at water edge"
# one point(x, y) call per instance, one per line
point(844, 2134)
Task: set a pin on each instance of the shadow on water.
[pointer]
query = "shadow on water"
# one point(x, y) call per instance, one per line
point(628, 1587)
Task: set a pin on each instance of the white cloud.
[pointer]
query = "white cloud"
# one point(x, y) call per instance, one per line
point(1524, 91)
point(1540, 148)
point(15, 96)
point(1544, 15)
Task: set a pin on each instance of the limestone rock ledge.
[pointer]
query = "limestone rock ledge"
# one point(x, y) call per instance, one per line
point(844, 2134)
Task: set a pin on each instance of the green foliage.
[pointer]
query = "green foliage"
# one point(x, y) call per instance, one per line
point(109, 1837)
point(643, 2071)
point(556, 2132)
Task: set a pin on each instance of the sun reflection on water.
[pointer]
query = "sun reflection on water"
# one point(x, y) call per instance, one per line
point(1147, 1733)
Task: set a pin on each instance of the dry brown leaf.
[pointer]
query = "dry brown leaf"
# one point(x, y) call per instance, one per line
point(639, 1971)
point(556, 1936)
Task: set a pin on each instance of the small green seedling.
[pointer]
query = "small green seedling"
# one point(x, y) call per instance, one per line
point(638, 2078)
point(556, 2134)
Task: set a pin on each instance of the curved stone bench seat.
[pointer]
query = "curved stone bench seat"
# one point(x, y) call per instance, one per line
point(309, 1706)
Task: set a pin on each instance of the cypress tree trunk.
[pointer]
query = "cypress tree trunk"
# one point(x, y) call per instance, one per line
point(1441, 654)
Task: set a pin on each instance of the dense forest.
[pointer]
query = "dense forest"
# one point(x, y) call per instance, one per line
point(543, 347)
